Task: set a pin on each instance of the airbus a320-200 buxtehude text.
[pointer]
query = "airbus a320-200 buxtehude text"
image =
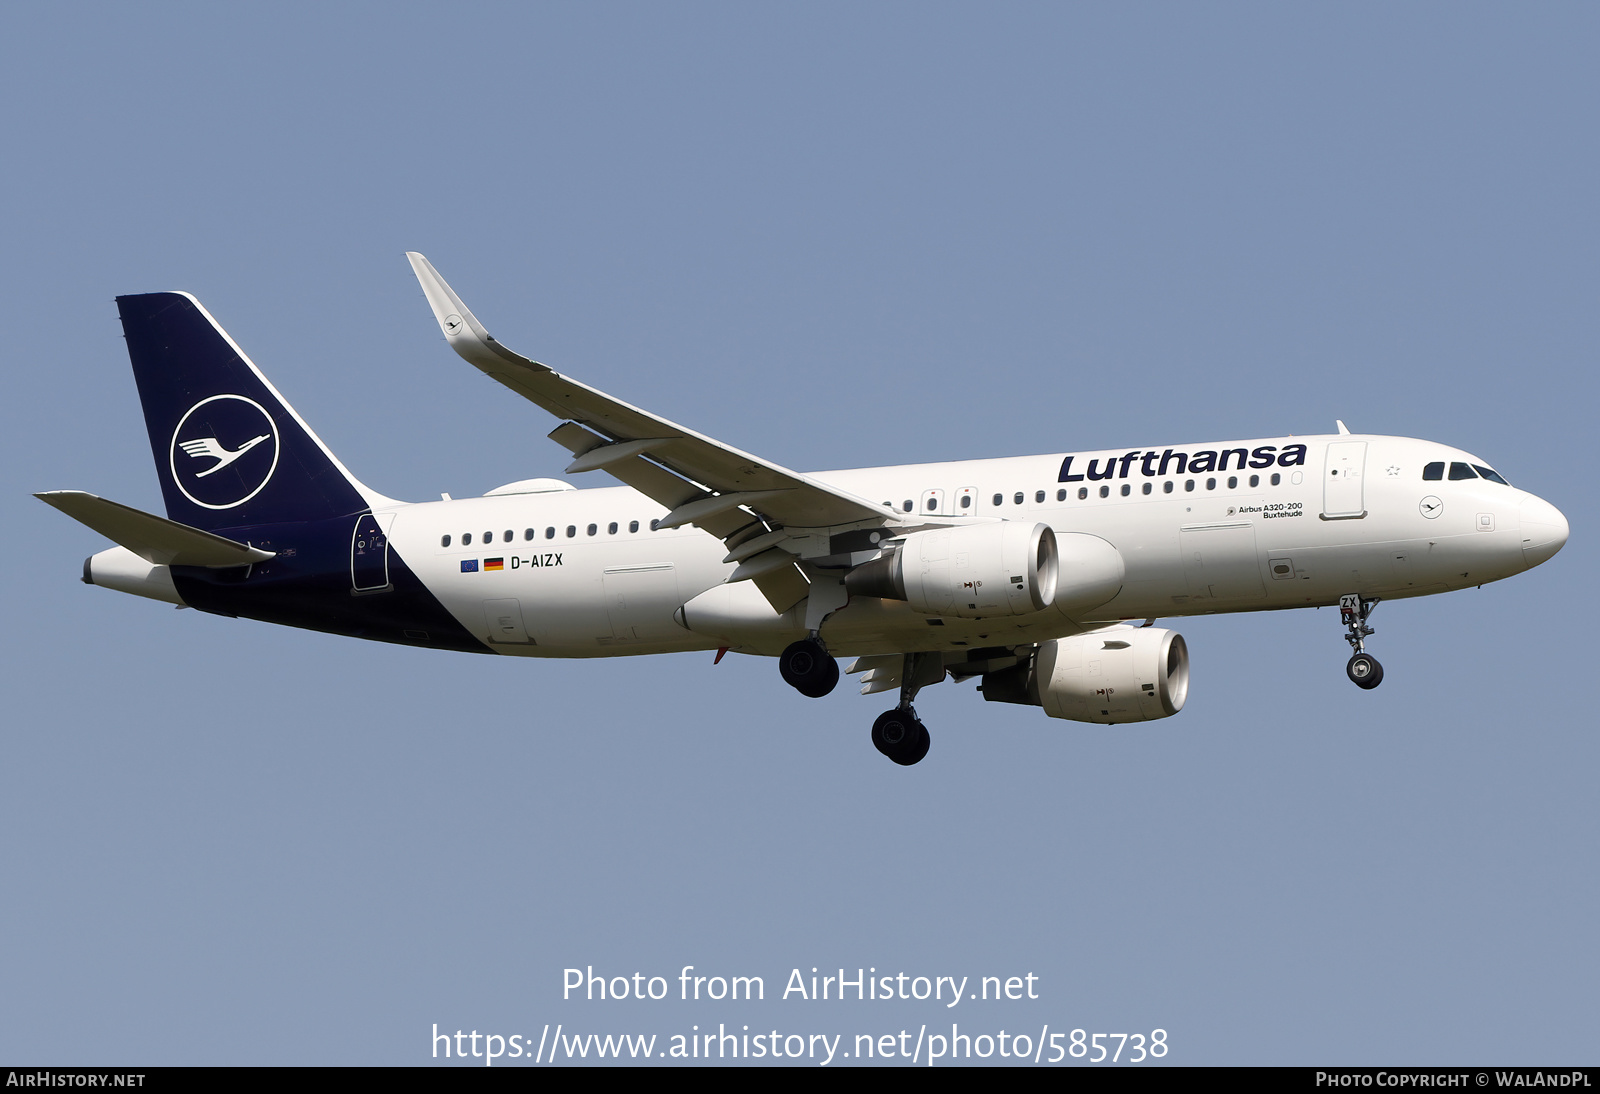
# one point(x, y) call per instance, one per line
point(1041, 576)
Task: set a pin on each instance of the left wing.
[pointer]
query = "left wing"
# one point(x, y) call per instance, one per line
point(611, 434)
point(767, 515)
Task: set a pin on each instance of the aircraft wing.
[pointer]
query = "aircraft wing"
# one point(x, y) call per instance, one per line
point(703, 481)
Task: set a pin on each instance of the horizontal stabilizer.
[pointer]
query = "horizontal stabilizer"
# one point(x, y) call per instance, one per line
point(155, 539)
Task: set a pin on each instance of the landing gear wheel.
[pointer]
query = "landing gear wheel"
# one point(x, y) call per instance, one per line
point(1364, 671)
point(1363, 668)
point(900, 736)
point(807, 668)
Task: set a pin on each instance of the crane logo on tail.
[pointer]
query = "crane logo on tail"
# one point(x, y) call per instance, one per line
point(210, 446)
point(230, 437)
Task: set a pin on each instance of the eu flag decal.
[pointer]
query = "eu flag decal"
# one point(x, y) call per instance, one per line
point(494, 564)
point(469, 565)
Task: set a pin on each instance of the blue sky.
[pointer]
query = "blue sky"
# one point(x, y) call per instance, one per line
point(837, 235)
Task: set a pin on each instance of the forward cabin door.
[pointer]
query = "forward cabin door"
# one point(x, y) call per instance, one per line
point(1341, 481)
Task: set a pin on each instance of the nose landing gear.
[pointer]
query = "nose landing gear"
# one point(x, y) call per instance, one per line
point(1363, 668)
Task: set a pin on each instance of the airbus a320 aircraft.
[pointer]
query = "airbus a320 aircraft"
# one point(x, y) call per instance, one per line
point(1028, 574)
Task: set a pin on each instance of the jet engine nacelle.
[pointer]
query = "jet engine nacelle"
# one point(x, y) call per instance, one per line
point(1003, 568)
point(1091, 572)
point(1121, 674)
point(968, 572)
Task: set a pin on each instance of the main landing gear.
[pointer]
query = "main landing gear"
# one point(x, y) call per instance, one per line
point(899, 734)
point(1363, 669)
point(806, 667)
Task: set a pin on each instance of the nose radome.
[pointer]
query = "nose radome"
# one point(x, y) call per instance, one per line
point(1544, 531)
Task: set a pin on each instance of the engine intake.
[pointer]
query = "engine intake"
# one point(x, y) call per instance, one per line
point(969, 572)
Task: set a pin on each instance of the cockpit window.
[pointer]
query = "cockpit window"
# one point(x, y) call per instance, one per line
point(1461, 471)
point(1490, 474)
point(1433, 472)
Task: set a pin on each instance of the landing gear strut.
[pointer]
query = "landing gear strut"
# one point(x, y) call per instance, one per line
point(806, 667)
point(899, 734)
point(1363, 669)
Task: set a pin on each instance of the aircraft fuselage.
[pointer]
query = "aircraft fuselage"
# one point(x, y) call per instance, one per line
point(1261, 525)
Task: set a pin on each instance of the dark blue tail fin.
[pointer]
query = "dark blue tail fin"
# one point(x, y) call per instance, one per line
point(229, 451)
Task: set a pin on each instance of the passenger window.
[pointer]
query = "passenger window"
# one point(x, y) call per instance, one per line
point(1083, 492)
point(1166, 487)
point(906, 505)
point(1126, 489)
point(1233, 482)
point(1188, 485)
point(1255, 480)
point(633, 526)
point(966, 501)
point(593, 528)
point(1016, 499)
point(656, 524)
point(1487, 473)
point(1461, 471)
point(488, 538)
point(508, 537)
point(572, 530)
point(1276, 478)
point(444, 541)
point(1211, 484)
point(933, 503)
point(527, 533)
point(1061, 495)
point(611, 529)
point(466, 539)
point(1105, 491)
point(999, 499)
point(1038, 497)
point(549, 533)
point(1147, 488)
point(1433, 472)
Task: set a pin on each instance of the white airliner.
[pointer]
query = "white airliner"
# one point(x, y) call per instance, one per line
point(1041, 576)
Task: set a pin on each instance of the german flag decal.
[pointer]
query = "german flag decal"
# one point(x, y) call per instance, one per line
point(494, 564)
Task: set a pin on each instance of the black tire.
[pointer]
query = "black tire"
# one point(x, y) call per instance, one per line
point(919, 747)
point(892, 730)
point(900, 736)
point(806, 667)
point(1364, 671)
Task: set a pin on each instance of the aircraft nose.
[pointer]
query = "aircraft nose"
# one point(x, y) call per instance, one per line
point(1544, 531)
